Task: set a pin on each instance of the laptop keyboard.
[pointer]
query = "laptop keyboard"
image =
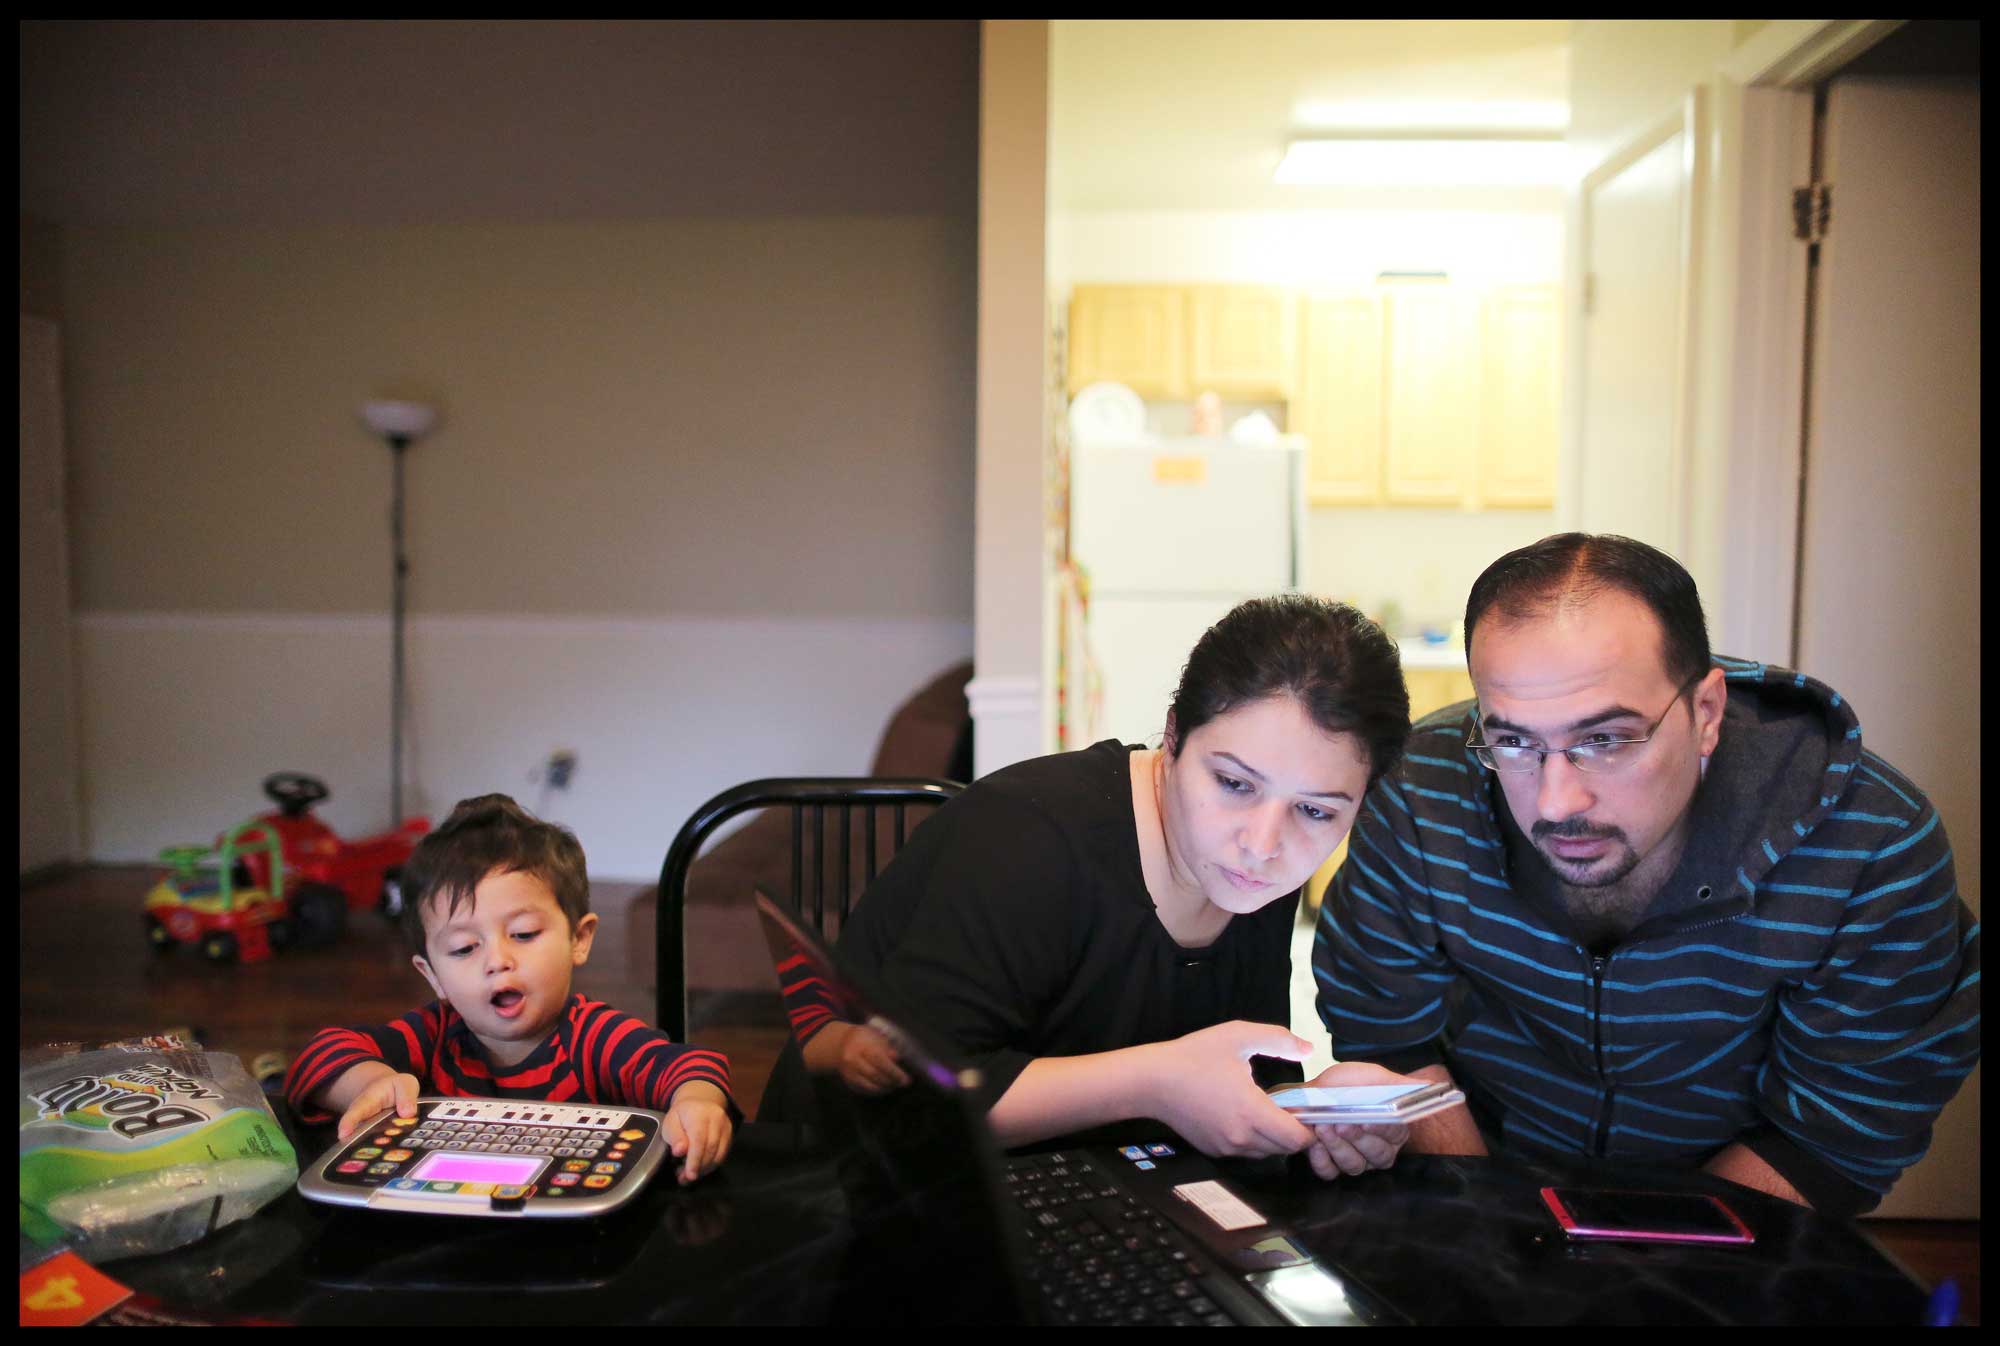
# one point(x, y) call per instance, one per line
point(1097, 1255)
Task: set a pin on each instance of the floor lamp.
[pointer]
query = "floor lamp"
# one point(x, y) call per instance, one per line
point(400, 424)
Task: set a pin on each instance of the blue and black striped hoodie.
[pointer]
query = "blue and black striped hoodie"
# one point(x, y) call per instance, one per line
point(1807, 982)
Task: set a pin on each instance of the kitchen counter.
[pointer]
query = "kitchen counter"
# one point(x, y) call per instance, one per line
point(1423, 654)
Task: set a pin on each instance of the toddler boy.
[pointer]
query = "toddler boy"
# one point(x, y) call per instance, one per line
point(498, 918)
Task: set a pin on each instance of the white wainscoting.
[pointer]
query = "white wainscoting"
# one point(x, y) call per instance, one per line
point(183, 714)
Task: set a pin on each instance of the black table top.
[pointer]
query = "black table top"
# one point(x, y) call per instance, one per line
point(765, 1240)
point(1462, 1240)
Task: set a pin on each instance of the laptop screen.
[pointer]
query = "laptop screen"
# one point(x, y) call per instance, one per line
point(917, 1164)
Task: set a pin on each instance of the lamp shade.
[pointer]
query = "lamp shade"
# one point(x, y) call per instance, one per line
point(399, 420)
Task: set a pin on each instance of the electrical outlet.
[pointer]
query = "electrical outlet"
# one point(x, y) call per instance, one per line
point(561, 766)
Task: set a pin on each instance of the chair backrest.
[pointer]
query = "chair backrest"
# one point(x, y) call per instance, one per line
point(868, 799)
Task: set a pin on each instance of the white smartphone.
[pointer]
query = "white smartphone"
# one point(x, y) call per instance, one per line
point(1329, 1105)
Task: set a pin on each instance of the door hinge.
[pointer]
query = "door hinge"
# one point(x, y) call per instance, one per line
point(1812, 211)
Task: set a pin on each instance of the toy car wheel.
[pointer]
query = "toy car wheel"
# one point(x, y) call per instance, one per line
point(219, 947)
point(391, 904)
point(157, 934)
point(318, 914)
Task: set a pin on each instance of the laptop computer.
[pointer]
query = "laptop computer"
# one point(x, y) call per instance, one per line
point(1145, 1231)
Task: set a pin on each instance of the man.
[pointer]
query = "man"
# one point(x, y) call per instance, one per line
point(1651, 906)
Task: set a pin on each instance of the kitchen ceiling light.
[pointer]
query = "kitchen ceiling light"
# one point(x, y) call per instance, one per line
point(1428, 162)
point(1439, 116)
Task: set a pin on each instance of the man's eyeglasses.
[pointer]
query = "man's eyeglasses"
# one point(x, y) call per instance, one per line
point(1597, 753)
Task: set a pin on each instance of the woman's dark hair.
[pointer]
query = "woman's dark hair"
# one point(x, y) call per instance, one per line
point(483, 834)
point(1340, 666)
point(1571, 568)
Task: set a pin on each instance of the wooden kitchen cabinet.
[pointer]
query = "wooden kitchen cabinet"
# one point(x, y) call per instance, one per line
point(1339, 404)
point(1416, 392)
point(1133, 334)
point(1432, 400)
point(1242, 342)
point(1425, 393)
point(1517, 443)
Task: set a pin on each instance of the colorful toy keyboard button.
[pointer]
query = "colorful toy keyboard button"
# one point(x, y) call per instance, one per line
point(631, 1134)
point(576, 1166)
point(509, 1192)
point(440, 1186)
point(1134, 1152)
point(606, 1167)
point(565, 1180)
point(381, 1168)
point(385, 1140)
point(398, 1156)
point(597, 1180)
point(352, 1166)
point(1159, 1151)
point(368, 1152)
point(406, 1185)
point(1146, 1164)
point(476, 1188)
point(406, 1121)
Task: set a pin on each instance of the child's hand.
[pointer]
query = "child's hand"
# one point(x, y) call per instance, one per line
point(698, 1128)
point(387, 1090)
point(867, 1062)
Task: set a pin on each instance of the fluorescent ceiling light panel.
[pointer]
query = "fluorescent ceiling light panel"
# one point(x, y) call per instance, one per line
point(1356, 162)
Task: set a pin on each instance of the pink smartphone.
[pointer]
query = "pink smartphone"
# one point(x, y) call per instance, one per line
point(1645, 1217)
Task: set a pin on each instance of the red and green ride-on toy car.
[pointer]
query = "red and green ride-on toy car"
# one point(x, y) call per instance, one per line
point(282, 877)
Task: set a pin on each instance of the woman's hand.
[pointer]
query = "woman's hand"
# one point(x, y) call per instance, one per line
point(1201, 1086)
point(1350, 1147)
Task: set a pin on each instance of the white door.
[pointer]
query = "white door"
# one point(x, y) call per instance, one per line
point(1631, 458)
point(1889, 550)
point(48, 718)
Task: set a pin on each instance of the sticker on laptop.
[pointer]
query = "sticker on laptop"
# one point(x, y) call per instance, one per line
point(1219, 1204)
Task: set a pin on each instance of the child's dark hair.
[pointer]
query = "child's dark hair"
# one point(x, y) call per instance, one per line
point(484, 834)
point(1343, 669)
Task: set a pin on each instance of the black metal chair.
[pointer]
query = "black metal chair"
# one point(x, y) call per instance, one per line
point(810, 800)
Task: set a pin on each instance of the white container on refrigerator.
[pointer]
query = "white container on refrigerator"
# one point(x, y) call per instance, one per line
point(1173, 533)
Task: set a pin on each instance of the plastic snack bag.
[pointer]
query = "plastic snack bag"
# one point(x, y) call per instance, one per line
point(140, 1146)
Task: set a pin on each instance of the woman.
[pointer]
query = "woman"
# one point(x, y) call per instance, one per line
point(1106, 933)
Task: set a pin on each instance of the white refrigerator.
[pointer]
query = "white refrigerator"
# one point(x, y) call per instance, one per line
point(1171, 534)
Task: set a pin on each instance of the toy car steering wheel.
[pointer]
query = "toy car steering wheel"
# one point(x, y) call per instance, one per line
point(294, 792)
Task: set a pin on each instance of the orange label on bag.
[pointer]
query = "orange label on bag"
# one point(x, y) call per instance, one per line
point(67, 1291)
point(1190, 471)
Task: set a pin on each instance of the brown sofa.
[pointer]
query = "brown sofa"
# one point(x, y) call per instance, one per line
point(729, 973)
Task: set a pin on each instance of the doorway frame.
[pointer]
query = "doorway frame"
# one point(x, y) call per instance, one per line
point(1691, 121)
point(1751, 375)
point(1747, 370)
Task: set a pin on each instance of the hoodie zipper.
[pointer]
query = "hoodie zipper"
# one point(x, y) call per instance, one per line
point(1600, 1131)
point(1601, 1127)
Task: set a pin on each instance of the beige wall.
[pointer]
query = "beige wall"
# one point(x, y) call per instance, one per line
point(698, 302)
point(1626, 74)
point(1421, 560)
point(41, 269)
point(669, 416)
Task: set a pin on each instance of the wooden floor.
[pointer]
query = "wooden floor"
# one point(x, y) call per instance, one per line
point(87, 972)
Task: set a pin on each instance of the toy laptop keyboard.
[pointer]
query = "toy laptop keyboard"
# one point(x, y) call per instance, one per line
point(493, 1156)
